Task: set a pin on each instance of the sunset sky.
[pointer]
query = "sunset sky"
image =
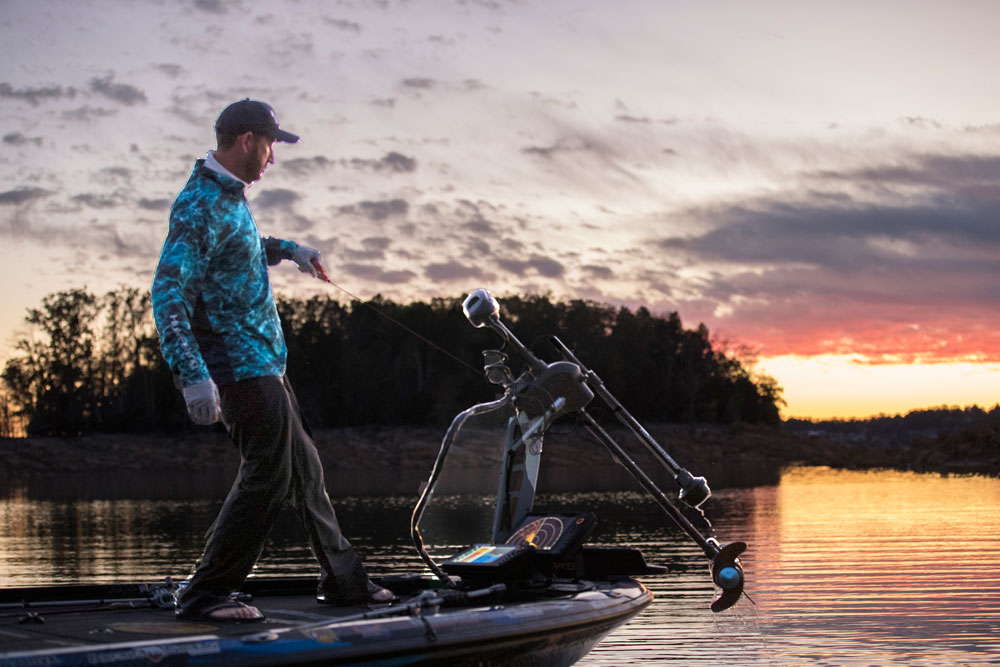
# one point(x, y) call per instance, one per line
point(818, 182)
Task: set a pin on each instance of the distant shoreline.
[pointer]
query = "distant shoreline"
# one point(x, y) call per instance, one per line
point(378, 460)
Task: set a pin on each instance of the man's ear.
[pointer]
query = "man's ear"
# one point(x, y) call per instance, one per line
point(245, 141)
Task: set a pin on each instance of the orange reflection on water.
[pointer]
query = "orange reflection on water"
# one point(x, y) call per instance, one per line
point(898, 560)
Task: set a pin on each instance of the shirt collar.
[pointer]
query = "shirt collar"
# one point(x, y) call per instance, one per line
point(217, 167)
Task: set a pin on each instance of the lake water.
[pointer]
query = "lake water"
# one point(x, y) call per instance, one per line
point(844, 568)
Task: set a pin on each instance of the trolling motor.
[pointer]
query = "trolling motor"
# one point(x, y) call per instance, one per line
point(546, 391)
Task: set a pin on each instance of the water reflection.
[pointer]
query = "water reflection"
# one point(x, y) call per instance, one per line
point(844, 567)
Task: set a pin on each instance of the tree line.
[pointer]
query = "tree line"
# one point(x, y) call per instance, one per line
point(91, 363)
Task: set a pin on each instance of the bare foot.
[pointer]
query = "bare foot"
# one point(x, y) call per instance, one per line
point(233, 611)
point(381, 595)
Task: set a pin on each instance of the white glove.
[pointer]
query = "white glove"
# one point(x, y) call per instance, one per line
point(203, 403)
point(310, 261)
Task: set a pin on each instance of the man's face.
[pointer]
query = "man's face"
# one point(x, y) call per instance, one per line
point(260, 154)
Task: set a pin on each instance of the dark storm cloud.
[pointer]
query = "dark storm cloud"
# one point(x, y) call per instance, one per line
point(22, 195)
point(18, 139)
point(119, 92)
point(37, 95)
point(276, 198)
point(377, 273)
point(544, 266)
point(452, 271)
point(377, 210)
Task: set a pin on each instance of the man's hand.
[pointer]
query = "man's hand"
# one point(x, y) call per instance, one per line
point(310, 261)
point(203, 403)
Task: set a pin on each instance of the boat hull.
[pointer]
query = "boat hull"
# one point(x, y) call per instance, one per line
point(555, 630)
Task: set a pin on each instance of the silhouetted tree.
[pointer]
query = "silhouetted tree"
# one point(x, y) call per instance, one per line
point(94, 363)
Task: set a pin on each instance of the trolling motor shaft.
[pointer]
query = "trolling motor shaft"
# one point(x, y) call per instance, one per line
point(573, 385)
point(693, 490)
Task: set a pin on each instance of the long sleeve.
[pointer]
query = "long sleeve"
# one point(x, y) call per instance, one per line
point(278, 249)
point(177, 289)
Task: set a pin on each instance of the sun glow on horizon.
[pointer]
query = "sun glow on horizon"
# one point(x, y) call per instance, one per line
point(844, 386)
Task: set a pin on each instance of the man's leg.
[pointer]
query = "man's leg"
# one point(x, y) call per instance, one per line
point(342, 575)
point(256, 412)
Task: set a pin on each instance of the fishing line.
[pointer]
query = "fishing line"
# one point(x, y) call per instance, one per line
point(477, 371)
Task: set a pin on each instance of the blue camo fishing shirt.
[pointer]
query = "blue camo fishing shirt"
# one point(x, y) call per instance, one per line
point(212, 298)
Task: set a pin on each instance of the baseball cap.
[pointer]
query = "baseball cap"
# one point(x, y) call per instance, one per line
point(252, 116)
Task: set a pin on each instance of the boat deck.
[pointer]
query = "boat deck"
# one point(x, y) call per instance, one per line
point(130, 629)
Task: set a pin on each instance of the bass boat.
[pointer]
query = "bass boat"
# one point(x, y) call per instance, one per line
point(534, 593)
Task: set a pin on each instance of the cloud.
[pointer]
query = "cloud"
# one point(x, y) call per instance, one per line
point(119, 92)
point(113, 175)
point(599, 272)
point(343, 24)
point(171, 70)
point(906, 279)
point(87, 113)
point(276, 198)
point(379, 243)
point(21, 200)
point(392, 162)
point(154, 204)
point(397, 162)
point(35, 96)
point(377, 210)
point(543, 266)
point(94, 200)
point(22, 195)
point(291, 47)
point(942, 172)
point(18, 139)
point(448, 271)
point(302, 166)
point(377, 273)
point(211, 6)
point(480, 225)
point(419, 83)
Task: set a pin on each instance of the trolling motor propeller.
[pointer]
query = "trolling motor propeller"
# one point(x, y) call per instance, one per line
point(727, 573)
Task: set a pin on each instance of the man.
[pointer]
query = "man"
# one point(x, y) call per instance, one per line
point(220, 333)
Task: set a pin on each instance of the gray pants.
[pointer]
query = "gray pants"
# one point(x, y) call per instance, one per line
point(279, 463)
